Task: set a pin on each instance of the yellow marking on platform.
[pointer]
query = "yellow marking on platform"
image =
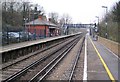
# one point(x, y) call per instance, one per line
point(104, 64)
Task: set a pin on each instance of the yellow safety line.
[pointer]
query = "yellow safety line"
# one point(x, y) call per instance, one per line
point(104, 64)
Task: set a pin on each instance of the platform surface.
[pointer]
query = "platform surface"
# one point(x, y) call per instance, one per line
point(96, 69)
point(29, 43)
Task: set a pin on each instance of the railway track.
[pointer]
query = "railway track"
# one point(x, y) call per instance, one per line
point(76, 61)
point(44, 72)
point(21, 71)
point(67, 71)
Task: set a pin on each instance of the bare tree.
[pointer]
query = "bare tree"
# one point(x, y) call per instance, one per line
point(54, 17)
point(66, 19)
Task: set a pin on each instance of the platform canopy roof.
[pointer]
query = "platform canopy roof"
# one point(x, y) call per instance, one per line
point(41, 22)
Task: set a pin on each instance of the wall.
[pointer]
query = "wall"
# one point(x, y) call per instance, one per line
point(39, 30)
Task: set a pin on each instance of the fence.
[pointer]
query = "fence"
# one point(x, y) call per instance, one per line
point(10, 37)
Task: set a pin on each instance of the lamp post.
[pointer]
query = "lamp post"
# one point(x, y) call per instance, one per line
point(106, 34)
point(25, 28)
point(34, 25)
point(99, 30)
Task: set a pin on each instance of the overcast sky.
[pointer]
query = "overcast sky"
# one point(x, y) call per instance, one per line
point(81, 11)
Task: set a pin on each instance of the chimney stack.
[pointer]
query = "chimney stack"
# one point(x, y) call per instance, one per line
point(41, 17)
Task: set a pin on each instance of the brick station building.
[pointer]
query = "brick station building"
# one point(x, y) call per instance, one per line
point(42, 28)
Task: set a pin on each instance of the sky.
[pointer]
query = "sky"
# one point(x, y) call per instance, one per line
point(81, 11)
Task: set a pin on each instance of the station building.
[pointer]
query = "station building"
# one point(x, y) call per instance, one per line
point(42, 28)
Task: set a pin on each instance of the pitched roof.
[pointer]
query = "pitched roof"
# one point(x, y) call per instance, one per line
point(41, 22)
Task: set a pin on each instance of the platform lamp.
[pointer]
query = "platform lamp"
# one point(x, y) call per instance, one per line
point(106, 34)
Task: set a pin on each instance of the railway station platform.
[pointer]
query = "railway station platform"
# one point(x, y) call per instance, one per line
point(29, 43)
point(102, 64)
point(16, 52)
